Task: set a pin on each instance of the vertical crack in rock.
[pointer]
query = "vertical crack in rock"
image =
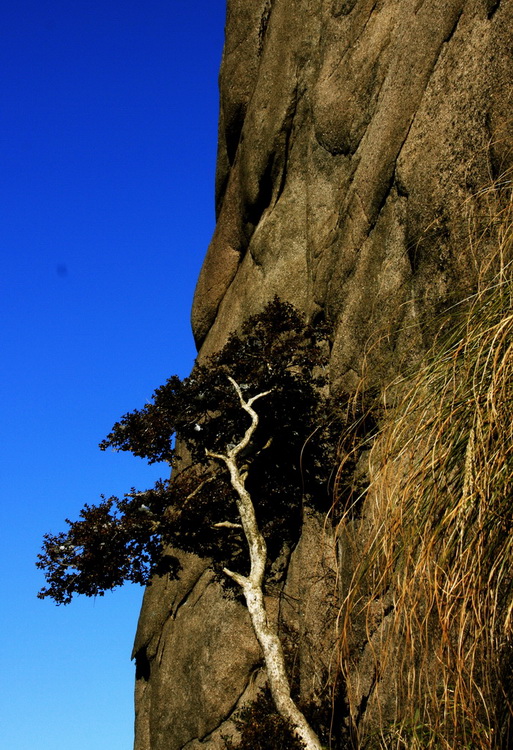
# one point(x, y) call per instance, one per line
point(264, 22)
point(287, 130)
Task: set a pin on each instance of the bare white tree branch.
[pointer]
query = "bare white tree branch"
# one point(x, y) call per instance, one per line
point(252, 585)
point(198, 489)
point(227, 525)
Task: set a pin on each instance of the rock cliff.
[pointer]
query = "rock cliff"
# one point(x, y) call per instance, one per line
point(353, 135)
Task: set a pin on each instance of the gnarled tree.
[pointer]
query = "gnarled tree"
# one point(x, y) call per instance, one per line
point(240, 479)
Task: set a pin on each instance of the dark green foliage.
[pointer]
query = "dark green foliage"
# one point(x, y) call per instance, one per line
point(262, 728)
point(112, 542)
point(287, 461)
point(274, 351)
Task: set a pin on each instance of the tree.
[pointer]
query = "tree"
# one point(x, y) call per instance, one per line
point(240, 476)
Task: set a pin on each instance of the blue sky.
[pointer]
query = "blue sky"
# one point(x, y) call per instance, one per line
point(107, 156)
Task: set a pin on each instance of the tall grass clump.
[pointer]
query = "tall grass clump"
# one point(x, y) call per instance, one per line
point(426, 626)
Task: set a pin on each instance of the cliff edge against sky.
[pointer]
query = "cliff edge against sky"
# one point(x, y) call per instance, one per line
point(354, 135)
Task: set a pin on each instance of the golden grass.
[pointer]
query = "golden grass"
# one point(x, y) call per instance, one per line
point(432, 587)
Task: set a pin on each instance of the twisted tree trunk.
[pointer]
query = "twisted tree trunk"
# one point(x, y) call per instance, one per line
point(252, 585)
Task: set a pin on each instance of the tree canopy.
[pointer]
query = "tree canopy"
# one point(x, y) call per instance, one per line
point(287, 460)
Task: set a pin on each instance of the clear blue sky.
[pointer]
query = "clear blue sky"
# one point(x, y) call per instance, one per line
point(107, 151)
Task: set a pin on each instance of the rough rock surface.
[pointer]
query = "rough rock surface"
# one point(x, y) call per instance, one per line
point(352, 134)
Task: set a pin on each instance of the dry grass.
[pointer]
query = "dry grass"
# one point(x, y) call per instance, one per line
point(432, 590)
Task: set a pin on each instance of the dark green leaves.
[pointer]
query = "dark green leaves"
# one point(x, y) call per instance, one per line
point(112, 542)
point(124, 540)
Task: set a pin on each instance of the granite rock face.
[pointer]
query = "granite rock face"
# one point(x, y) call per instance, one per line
point(352, 135)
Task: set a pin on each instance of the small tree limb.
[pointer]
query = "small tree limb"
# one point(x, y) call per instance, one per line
point(227, 525)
